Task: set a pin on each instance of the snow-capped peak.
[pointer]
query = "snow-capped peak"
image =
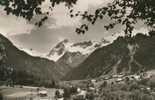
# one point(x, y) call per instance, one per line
point(85, 48)
point(58, 50)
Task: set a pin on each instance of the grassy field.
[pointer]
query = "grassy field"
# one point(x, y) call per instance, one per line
point(24, 93)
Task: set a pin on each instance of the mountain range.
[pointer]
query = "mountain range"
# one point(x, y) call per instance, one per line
point(29, 70)
point(74, 61)
point(64, 46)
point(69, 55)
point(125, 55)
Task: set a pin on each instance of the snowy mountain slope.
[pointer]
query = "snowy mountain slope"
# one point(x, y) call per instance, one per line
point(69, 55)
point(85, 48)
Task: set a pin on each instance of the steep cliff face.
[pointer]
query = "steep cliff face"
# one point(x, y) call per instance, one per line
point(124, 55)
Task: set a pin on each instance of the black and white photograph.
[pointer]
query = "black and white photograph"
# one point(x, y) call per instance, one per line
point(77, 49)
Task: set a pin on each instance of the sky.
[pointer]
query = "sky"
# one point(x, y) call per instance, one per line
point(59, 26)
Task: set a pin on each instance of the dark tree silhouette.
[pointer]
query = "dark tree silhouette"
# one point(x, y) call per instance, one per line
point(124, 12)
point(29, 8)
point(6, 70)
point(1, 96)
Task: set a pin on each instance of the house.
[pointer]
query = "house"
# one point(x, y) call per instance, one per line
point(81, 95)
point(42, 93)
point(60, 98)
point(118, 76)
point(119, 79)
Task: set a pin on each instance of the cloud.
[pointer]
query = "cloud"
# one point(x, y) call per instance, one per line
point(44, 38)
point(11, 25)
point(59, 18)
point(83, 5)
point(41, 39)
point(62, 16)
point(58, 27)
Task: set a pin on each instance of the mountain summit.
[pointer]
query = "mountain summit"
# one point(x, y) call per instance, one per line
point(85, 48)
point(69, 55)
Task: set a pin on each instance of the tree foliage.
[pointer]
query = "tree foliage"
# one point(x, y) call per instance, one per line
point(29, 8)
point(124, 12)
point(6, 71)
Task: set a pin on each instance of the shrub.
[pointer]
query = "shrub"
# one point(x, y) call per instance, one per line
point(133, 86)
point(1, 96)
point(151, 82)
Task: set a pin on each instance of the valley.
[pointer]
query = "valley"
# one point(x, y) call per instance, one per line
point(114, 71)
point(107, 86)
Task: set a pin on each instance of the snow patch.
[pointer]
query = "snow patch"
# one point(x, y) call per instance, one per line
point(85, 48)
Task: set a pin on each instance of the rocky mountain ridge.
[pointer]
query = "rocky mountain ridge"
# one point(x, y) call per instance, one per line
point(124, 55)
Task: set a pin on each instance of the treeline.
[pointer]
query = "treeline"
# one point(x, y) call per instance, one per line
point(132, 90)
point(21, 77)
point(10, 77)
point(19, 73)
point(24, 78)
